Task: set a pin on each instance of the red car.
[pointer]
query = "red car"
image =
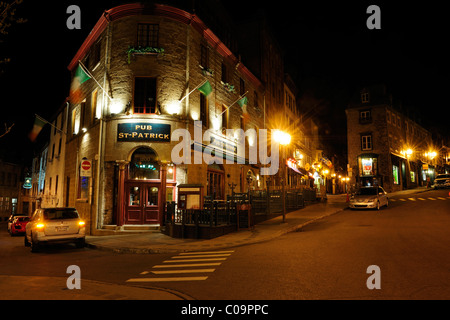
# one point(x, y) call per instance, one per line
point(18, 225)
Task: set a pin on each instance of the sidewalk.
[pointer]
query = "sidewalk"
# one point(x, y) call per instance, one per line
point(157, 242)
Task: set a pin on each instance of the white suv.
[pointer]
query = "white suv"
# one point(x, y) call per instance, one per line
point(52, 225)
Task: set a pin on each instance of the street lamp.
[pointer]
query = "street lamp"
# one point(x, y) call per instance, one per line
point(283, 139)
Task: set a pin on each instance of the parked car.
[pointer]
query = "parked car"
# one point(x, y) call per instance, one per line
point(441, 181)
point(55, 225)
point(369, 198)
point(11, 220)
point(18, 225)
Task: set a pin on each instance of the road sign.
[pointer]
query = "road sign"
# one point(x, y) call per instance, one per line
point(86, 166)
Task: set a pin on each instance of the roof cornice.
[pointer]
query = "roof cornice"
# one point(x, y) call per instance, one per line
point(176, 14)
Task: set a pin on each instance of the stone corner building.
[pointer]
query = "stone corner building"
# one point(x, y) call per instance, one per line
point(142, 61)
point(385, 146)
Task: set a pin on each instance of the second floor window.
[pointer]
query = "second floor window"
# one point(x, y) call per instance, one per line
point(148, 35)
point(145, 95)
point(366, 142)
point(204, 57)
point(365, 116)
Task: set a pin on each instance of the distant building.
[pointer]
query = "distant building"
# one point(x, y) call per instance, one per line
point(385, 146)
point(54, 171)
point(10, 177)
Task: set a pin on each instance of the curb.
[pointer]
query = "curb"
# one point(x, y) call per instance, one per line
point(224, 246)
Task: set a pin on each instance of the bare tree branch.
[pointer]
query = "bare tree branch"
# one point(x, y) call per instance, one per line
point(7, 130)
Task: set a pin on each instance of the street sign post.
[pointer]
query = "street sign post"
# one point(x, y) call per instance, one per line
point(86, 167)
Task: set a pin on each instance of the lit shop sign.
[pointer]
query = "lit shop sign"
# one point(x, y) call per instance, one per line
point(27, 183)
point(140, 132)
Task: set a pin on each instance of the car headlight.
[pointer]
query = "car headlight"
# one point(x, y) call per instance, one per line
point(81, 223)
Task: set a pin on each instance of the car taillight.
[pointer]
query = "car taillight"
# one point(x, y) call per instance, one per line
point(40, 226)
point(81, 223)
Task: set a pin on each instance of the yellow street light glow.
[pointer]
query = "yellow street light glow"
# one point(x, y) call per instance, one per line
point(281, 137)
point(409, 152)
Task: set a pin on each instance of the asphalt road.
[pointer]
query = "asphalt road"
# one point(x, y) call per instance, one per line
point(329, 259)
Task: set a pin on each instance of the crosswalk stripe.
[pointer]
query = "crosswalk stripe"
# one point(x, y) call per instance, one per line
point(440, 198)
point(184, 271)
point(188, 265)
point(431, 199)
point(402, 199)
point(204, 252)
point(167, 279)
point(412, 199)
point(202, 256)
point(179, 265)
point(196, 260)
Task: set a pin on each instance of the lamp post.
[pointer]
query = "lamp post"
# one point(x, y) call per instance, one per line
point(283, 139)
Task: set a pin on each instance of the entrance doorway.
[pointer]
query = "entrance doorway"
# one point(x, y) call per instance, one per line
point(142, 203)
point(143, 200)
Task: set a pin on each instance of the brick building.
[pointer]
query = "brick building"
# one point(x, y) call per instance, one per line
point(385, 146)
point(146, 63)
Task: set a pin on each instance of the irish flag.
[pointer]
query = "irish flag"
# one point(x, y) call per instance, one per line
point(243, 104)
point(205, 89)
point(38, 125)
point(79, 78)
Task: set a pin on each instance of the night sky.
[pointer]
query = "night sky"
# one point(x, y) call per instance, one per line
point(329, 52)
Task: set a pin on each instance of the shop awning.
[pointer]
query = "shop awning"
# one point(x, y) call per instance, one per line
point(398, 155)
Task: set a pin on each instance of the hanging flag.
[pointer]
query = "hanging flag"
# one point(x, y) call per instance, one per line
point(243, 104)
point(79, 78)
point(38, 125)
point(205, 89)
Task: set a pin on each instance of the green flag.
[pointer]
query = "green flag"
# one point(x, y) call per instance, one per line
point(81, 75)
point(79, 78)
point(243, 104)
point(37, 127)
point(205, 89)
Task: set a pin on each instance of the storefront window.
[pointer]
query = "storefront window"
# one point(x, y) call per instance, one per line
point(368, 166)
point(395, 174)
point(170, 173)
point(144, 165)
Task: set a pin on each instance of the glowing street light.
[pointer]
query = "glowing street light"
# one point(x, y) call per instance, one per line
point(283, 138)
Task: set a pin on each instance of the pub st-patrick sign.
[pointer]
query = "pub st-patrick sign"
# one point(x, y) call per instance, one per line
point(143, 132)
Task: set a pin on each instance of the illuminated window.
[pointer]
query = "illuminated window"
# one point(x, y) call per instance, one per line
point(83, 188)
point(145, 95)
point(395, 174)
point(144, 165)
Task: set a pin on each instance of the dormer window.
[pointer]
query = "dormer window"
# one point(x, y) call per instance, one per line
point(364, 97)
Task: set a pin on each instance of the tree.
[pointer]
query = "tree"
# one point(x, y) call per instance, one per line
point(7, 19)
